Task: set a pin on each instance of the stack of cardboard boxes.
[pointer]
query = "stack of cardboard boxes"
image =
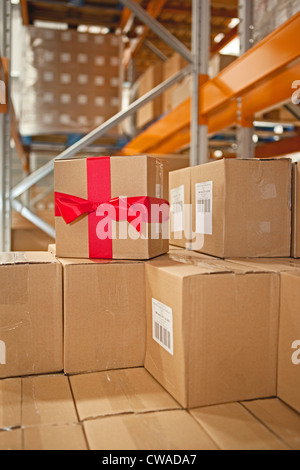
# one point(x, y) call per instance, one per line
point(210, 331)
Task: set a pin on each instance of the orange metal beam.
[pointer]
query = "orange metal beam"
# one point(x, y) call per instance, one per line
point(25, 14)
point(277, 149)
point(262, 77)
point(232, 34)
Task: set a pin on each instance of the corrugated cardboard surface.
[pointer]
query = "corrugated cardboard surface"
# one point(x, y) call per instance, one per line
point(221, 313)
point(117, 392)
point(276, 265)
point(289, 334)
point(130, 177)
point(296, 211)
point(168, 430)
point(153, 110)
point(232, 427)
point(129, 410)
point(104, 305)
point(31, 322)
point(176, 180)
point(170, 163)
point(172, 66)
point(279, 418)
point(251, 208)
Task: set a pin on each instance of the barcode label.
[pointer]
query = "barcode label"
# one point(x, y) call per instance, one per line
point(204, 208)
point(177, 209)
point(162, 317)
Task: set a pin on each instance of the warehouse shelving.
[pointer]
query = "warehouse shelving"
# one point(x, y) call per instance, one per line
point(262, 77)
point(258, 80)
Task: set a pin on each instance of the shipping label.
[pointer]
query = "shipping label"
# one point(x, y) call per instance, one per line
point(2, 353)
point(177, 209)
point(162, 318)
point(204, 208)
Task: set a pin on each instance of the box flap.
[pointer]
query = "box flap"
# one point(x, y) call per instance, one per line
point(38, 257)
point(268, 264)
point(96, 262)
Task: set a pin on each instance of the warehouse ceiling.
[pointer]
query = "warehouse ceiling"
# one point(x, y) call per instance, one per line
point(175, 15)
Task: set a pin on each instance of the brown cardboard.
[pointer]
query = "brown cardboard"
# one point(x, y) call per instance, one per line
point(47, 400)
point(10, 403)
point(31, 336)
point(104, 314)
point(296, 211)
point(11, 440)
point(225, 320)
point(279, 418)
point(182, 92)
point(247, 211)
point(63, 437)
point(232, 427)
point(153, 110)
point(289, 341)
point(130, 177)
point(29, 240)
point(170, 163)
point(277, 265)
point(52, 249)
point(170, 68)
point(117, 392)
point(167, 430)
point(180, 196)
point(219, 62)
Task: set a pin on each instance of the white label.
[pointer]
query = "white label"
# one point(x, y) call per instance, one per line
point(100, 101)
point(65, 98)
point(82, 99)
point(99, 81)
point(83, 79)
point(82, 58)
point(65, 78)
point(162, 318)
point(48, 97)
point(99, 61)
point(177, 209)
point(204, 207)
point(64, 119)
point(48, 76)
point(65, 57)
point(2, 353)
point(114, 82)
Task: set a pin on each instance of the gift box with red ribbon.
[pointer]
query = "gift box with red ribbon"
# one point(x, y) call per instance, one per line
point(110, 208)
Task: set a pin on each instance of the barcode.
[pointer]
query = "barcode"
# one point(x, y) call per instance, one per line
point(163, 335)
point(204, 206)
point(178, 208)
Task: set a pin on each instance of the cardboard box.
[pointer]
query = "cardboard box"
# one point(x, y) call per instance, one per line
point(62, 437)
point(279, 418)
point(153, 110)
point(244, 431)
point(182, 92)
point(31, 320)
point(52, 249)
point(219, 62)
point(167, 430)
point(170, 68)
point(242, 208)
point(167, 164)
point(289, 341)
point(115, 236)
point(180, 214)
point(11, 440)
point(118, 392)
point(296, 211)
point(207, 349)
point(104, 315)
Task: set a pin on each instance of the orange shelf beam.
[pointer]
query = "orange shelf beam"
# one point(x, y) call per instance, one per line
point(262, 77)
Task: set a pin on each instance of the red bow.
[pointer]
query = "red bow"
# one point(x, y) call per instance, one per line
point(72, 207)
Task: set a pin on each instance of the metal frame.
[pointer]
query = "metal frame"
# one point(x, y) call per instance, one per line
point(201, 121)
point(5, 132)
point(245, 134)
point(201, 49)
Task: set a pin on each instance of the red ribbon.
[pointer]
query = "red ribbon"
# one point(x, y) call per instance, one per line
point(70, 208)
point(98, 206)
